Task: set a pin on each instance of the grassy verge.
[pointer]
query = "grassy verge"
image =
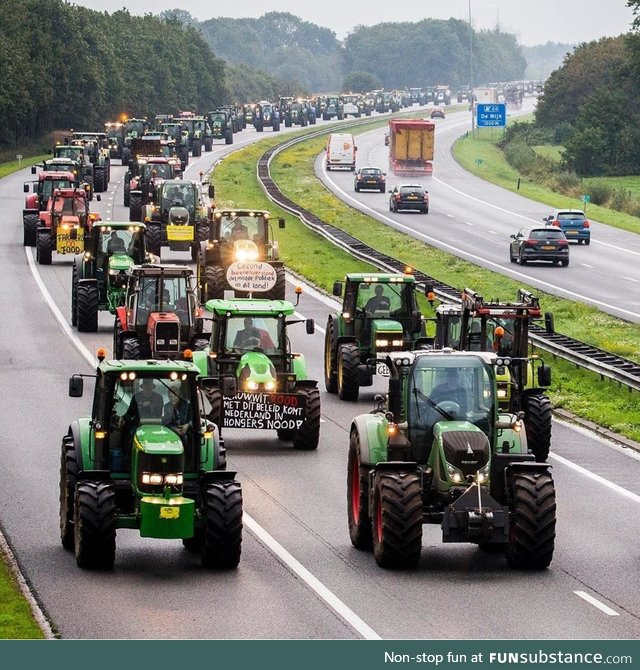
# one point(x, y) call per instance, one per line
point(13, 166)
point(576, 390)
point(16, 620)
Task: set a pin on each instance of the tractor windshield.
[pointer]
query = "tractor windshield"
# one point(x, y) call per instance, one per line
point(164, 294)
point(242, 227)
point(74, 153)
point(156, 171)
point(379, 299)
point(180, 194)
point(134, 128)
point(50, 185)
point(120, 241)
point(245, 333)
point(449, 388)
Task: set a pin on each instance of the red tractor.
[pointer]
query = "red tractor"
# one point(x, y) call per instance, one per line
point(145, 173)
point(36, 201)
point(64, 224)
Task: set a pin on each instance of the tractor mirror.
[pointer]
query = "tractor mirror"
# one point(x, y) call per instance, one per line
point(33, 169)
point(98, 197)
point(544, 376)
point(26, 187)
point(311, 326)
point(337, 288)
point(281, 222)
point(76, 387)
point(549, 322)
point(229, 386)
point(212, 191)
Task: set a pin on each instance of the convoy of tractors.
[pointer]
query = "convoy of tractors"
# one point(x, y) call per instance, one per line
point(460, 438)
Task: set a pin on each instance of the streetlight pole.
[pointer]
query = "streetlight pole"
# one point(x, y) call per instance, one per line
point(473, 97)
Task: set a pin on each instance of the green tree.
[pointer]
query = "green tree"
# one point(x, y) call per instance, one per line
point(360, 82)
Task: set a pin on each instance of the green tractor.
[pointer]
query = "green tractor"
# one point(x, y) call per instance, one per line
point(379, 314)
point(503, 327)
point(441, 451)
point(260, 382)
point(160, 316)
point(148, 460)
point(220, 122)
point(242, 236)
point(100, 274)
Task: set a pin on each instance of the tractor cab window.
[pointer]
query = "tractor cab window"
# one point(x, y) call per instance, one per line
point(168, 294)
point(382, 300)
point(243, 228)
point(251, 333)
point(180, 195)
point(156, 171)
point(454, 389)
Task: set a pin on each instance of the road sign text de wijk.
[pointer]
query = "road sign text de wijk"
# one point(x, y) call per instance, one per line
point(494, 115)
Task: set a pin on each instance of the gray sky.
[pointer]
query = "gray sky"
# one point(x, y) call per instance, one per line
point(532, 21)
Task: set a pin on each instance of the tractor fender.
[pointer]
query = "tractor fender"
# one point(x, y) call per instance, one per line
point(306, 384)
point(201, 361)
point(300, 367)
point(78, 263)
point(90, 280)
point(372, 431)
point(121, 315)
point(83, 442)
point(346, 339)
point(31, 205)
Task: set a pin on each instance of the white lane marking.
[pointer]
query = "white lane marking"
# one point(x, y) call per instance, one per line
point(271, 543)
point(295, 566)
point(479, 260)
point(468, 223)
point(596, 603)
point(637, 281)
point(450, 216)
point(591, 267)
point(597, 478)
point(493, 232)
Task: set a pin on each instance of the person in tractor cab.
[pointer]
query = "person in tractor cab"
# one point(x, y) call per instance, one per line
point(378, 302)
point(239, 231)
point(252, 337)
point(116, 244)
point(451, 390)
point(177, 411)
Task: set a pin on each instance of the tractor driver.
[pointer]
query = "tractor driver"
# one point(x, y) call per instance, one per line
point(451, 390)
point(239, 231)
point(377, 302)
point(251, 337)
point(115, 244)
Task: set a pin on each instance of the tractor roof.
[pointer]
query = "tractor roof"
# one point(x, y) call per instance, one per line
point(250, 307)
point(51, 175)
point(219, 213)
point(380, 277)
point(148, 367)
point(120, 225)
point(149, 270)
point(487, 357)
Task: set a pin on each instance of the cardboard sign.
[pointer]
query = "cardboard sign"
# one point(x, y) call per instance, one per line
point(251, 276)
point(70, 241)
point(268, 411)
point(180, 233)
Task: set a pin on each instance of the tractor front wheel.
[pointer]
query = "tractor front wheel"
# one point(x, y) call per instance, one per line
point(208, 143)
point(222, 514)
point(358, 497)
point(330, 372)
point(532, 527)
point(68, 477)
point(307, 436)
point(154, 238)
point(100, 180)
point(94, 524)
point(87, 308)
point(131, 349)
point(43, 248)
point(348, 361)
point(30, 225)
point(135, 207)
point(117, 339)
point(537, 422)
point(397, 520)
point(74, 296)
point(228, 136)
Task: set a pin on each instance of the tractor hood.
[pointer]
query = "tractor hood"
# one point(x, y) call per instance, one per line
point(256, 368)
point(157, 439)
point(385, 326)
point(120, 262)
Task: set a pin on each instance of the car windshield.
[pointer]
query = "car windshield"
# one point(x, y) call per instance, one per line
point(247, 333)
point(546, 234)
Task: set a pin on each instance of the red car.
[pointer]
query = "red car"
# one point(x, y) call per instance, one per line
point(437, 112)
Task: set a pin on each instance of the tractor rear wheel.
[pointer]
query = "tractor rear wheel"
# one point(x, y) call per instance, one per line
point(30, 225)
point(285, 434)
point(126, 156)
point(74, 295)
point(94, 522)
point(127, 193)
point(100, 179)
point(131, 348)
point(537, 422)
point(397, 520)
point(196, 149)
point(307, 436)
point(87, 308)
point(135, 207)
point(214, 281)
point(43, 248)
point(68, 477)
point(280, 287)
point(222, 536)
point(358, 497)
point(532, 527)
point(208, 143)
point(348, 361)
point(228, 136)
point(330, 372)
point(215, 400)
point(154, 238)
point(117, 339)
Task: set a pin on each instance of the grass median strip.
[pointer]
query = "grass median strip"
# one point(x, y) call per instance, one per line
point(321, 263)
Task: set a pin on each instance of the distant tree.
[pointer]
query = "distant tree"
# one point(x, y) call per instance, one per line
point(182, 16)
point(360, 82)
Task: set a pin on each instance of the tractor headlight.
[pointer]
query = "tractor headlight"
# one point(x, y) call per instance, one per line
point(454, 474)
point(151, 478)
point(173, 480)
point(502, 393)
point(250, 385)
point(156, 479)
point(382, 343)
point(269, 386)
point(483, 474)
point(113, 273)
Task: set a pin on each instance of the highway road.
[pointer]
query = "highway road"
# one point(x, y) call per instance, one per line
point(299, 576)
point(473, 219)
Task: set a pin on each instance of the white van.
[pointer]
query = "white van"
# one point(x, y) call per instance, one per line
point(341, 151)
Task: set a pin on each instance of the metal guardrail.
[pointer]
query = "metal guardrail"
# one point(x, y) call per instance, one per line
point(583, 355)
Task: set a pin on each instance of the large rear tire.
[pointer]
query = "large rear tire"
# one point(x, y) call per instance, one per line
point(100, 179)
point(214, 282)
point(537, 422)
point(154, 238)
point(330, 367)
point(68, 478)
point(222, 513)
point(208, 143)
point(532, 528)
point(87, 308)
point(228, 136)
point(358, 497)
point(95, 525)
point(30, 225)
point(43, 248)
point(74, 295)
point(307, 436)
point(135, 207)
point(279, 289)
point(397, 520)
point(347, 377)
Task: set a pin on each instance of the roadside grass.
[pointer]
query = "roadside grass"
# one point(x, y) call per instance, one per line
point(16, 619)
point(574, 389)
point(14, 166)
point(550, 151)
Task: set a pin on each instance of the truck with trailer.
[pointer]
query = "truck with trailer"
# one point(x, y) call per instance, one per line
point(411, 146)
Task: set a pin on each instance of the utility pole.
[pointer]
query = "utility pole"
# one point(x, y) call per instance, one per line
point(471, 86)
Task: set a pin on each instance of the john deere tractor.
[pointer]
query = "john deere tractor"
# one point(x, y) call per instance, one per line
point(260, 382)
point(179, 217)
point(379, 314)
point(503, 327)
point(100, 274)
point(161, 316)
point(238, 236)
point(221, 126)
point(147, 459)
point(442, 452)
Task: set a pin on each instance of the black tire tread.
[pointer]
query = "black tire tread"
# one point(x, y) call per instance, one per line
point(222, 538)
point(95, 525)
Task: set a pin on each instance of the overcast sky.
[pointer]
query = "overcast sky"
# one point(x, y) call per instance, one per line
point(532, 21)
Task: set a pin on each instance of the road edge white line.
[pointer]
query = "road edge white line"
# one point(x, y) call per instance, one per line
point(313, 582)
point(596, 603)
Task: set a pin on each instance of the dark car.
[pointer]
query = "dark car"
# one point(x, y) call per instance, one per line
point(572, 222)
point(370, 178)
point(409, 196)
point(539, 244)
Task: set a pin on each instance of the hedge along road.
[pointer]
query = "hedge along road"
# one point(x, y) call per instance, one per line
point(158, 590)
